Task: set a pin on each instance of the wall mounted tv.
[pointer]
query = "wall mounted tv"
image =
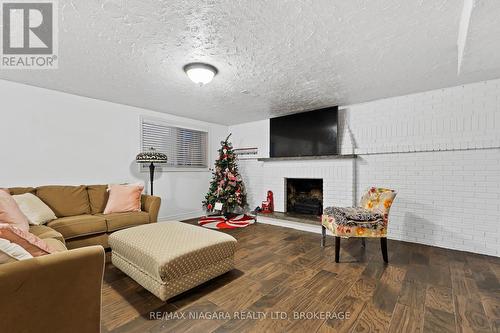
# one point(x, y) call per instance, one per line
point(312, 133)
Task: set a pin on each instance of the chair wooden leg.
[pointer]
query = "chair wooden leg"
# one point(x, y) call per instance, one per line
point(337, 248)
point(363, 242)
point(323, 235)
point(383, 247)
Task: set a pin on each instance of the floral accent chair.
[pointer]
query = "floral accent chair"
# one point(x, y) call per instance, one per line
point(368, 220)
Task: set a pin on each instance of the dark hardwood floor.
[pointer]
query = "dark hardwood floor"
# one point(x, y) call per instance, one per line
point(422, 289)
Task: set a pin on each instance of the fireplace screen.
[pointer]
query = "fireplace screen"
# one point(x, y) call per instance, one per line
point(304, 196)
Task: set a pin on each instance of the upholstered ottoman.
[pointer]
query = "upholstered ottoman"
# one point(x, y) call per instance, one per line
point(168, 258)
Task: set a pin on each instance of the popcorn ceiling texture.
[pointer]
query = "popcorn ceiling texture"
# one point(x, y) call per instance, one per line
point(273, 57)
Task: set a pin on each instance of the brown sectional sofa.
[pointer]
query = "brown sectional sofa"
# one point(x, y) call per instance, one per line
point(79, 210)
point(57, 293)
point(61, 292)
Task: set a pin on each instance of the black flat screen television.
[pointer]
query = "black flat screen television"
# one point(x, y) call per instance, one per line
point(312, 133)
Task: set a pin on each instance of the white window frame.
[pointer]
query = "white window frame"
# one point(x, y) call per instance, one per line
point(162, 168)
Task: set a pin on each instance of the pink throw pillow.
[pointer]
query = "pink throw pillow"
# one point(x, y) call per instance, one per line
point(10, 212)
point(31, 243)
point(124, 198)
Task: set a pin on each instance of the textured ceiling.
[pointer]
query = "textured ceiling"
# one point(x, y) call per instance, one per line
point(274, 57)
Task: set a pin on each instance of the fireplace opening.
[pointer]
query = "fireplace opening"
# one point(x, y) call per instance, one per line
point(304, 196)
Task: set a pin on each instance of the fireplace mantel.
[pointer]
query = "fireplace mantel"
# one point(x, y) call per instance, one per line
point(300, 158)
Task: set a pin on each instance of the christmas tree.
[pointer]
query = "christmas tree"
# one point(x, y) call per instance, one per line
point(226, 186)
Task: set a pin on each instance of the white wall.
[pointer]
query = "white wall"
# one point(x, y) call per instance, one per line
point(439, 149)
point(49, 137)
point(253, 134)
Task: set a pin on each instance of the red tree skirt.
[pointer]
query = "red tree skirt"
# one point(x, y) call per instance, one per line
point(230, 222)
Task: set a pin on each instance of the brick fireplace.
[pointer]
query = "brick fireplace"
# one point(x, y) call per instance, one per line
point(304, 196)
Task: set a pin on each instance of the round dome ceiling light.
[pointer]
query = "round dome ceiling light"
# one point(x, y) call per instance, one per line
point(200, 73)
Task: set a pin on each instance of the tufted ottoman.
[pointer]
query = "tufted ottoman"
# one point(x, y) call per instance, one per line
point(168, 258)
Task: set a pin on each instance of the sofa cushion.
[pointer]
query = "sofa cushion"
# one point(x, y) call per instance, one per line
point(80, 225)
point(45, 232)
point(65, 200)
point(98, 239)
point(117, 221)
point(21, 190)
point(98, 197)
point(55, 245)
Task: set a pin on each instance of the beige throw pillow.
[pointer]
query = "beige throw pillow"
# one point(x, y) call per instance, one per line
point(35, 209)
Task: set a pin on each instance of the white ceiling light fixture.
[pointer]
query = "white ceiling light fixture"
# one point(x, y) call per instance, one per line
point(200, 73)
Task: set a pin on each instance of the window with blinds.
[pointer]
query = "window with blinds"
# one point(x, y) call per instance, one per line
point(184, 147)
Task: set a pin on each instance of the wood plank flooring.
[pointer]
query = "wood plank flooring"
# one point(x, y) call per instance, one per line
point(285, 271)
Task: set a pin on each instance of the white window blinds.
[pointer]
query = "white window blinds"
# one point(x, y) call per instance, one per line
point(184, 147)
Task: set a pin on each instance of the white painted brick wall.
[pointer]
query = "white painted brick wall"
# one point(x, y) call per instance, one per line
point(439, 149)
point(259, 177)
point(441, 200)
point(464, 117)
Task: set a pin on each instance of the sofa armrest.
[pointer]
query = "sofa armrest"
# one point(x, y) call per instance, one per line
point(151, 204)
point(59, 292)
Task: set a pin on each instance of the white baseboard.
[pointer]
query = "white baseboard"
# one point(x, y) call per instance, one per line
point(183, 216)
point(290, 224)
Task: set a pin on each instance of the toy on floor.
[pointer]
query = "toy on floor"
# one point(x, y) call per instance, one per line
point(268, 205)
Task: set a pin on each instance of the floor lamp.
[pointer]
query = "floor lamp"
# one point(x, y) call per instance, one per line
point(151, 156)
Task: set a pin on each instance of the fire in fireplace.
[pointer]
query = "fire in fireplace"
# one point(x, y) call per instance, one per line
point(304, 196)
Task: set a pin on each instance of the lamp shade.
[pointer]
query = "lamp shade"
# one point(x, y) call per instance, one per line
point(151, 156)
